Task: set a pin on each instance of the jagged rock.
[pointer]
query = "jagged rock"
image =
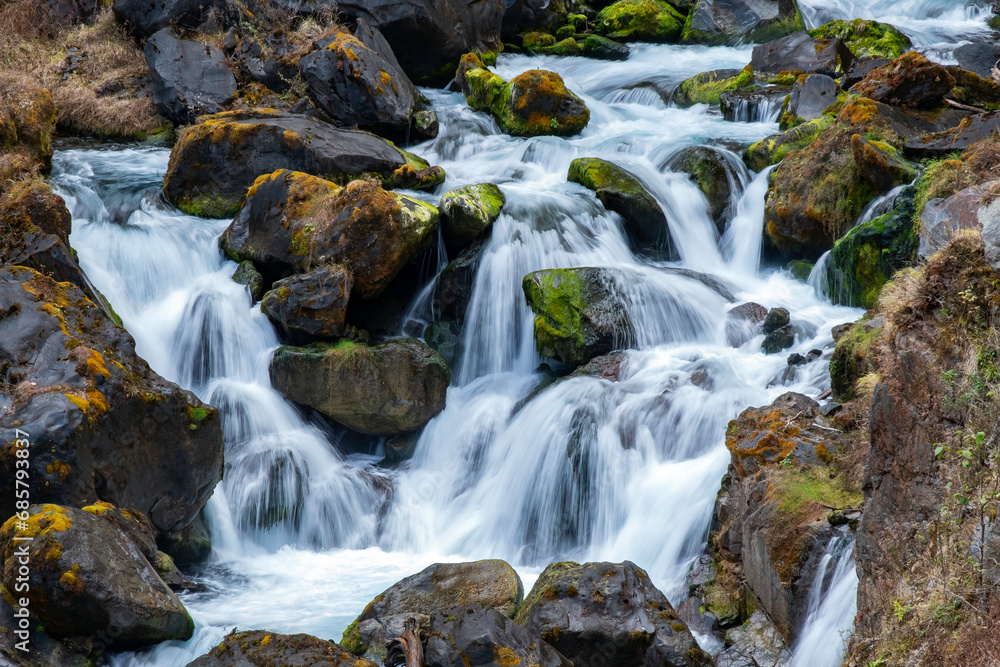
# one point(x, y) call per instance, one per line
point(578, 313)
point(383, 389)
point(258, 648)
point(190, 78)
point(492, 584)
point(910, 81)
point(356, 80)
point(142, 18)
point(968, 132)
point(73, 382)
point(756, 642)
point(711, 173)
point(881, 164)
point(811, 96)
point(799, 52)
point(866, 39)
point(582, 609)
point(292, 221)
point(478, 636)
point(430, 36)
point(744, 322)
point(311, 305)
point(89, 570)
point(640, 21)
point(622, 192)
point(215, 162)
point(534, 103)
point(730, 21)
point(468, 213)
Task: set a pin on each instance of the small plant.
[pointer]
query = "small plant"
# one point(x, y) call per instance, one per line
point(877, 662)
point(899, 610)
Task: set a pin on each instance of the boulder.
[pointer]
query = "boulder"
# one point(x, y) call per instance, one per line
point(480, 636)
point(358, 85)
point(974, 90)
point(943, 218)
point(978, 57)
point(383, 389)
point(100, 422)
point(602, 48)
point(773, 149)
point(492, 584)
point(453, 287)
point(707, 87)
point(744, 323)
point(622, 192)
point(445, 336)
point(640, 21)
point(311, 305)
point(910, 81)
point(811, 96)
point(862, 67)
point(583, 609)
point(27, 122)
point(968, 132)
point(866, 39)
point(579, 313)
point(881, 164)
point(468, 213)
point(246, 274)
point(142, 18)
point(430, 36)
point(190, 77)
point(711, 173)
point(778, 331)
point(865, 259)
point(258, 648)
point(89, 570)
point(534, 103)
point(215, 162)
point(799, 52)
point(756, 642)
point(292, 221)
point(733, 21)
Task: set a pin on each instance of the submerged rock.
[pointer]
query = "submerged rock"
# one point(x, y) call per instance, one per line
point(583, 609)
point(745, 322)
point(640, 21)
point(89, 570)
point(731, 21)
point(534, 103)
point(259, 648)
point(311, 305)
point(383, 389)
point(190, 77)
point(467, 213)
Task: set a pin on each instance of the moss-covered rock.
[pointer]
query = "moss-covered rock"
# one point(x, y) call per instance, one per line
point(602, 48)
point(866, 38)
point(640, 21)
point(480, 636)
point(311, 305)
point(258, 648)
point(974, 90)
point(773, 149)
point(383, 389)
point(246, 274)
point(467, 213)
point(732, 21)
point(532, 41)
point(851, 359)
point(705, 88)
point(578, 313)
point(622, 192)
point(710, 172)
point(534, 103)
point(910, 81)
point(865, 259)
point(27, 122)
point(881, 164)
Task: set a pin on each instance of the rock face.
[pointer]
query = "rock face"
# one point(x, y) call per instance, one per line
point(910, 81)
point(622, 192)
point(215, 162)
point(383, 389)
point(102, 425)
point(578, 313)
point(799, 52)
point(190, 78)
point(968, 132)
point(811, 96)
point(582, 609)
point(88, 571)
point(257, 648)
point(492, 584)
point(311, 305)
point(881, 164)
point(430, 36)
point(478, 636)
point(292, 221)
point(356, 80)
point(142, 18)
point(27, 122)
point(468, 213)
point(534, 103)
point(640, 21)
point(729, 21)
point(943, 218)
point(756, 642)
point(866, 39)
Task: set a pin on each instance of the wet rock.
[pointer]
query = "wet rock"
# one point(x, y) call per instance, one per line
point(622, 192)
point(602, 48)
point(247, 275)
point(430, 36)
point(978, 57)
point(142, 18)
point(27, 123)
point(640, 21)
point(534, 103)
point(267, 60)
point(606, 367)
point(778, 332)
point(192, 544)
point(910, 81)
point(708, 87)
point(862, 67)
point(974, 90)
point(492, 584)
point(756, 642)
point(731, 21)
point(744, 322)
point(773, 149)
point(311, 305)
point(358, 83)
point(445, 336)
point(751, 105)
point(258, 648)
point(215, 162)
point(190, 78)
point(582, 609)
point(468, 213)
point(711, 173)
point(88, 571)
point(292, 221)
point(968, 132)
point(811, 96)
point(799, 52)
point(72, 381)
point(578, 313)
point(383, 389)
point(866, 39)
point(478, 636)
point(881, 164)
point(453, 288)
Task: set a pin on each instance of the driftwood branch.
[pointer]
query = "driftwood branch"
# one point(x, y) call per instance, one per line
point(406, 646)
point(964, 107)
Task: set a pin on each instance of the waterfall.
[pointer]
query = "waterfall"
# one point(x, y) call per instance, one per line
point(833, 602)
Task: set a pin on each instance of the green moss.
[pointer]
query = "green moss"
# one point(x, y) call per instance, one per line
point(215, 205)
point(941, 178)
point(795, 489)
point(707, 87)
point(850, 359)
point(640, 20)
point(536, 40)
point(866, 38)
point(773, 149)
point(800, 269)
point(597, 174)
point(778, 27)
point(557, 297)
point(352, 640)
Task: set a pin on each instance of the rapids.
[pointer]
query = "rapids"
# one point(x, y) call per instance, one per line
point(514, 468)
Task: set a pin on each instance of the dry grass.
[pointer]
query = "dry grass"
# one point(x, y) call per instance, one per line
point(104, 93)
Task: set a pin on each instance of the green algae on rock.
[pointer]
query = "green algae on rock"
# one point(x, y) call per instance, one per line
point(706, 87)
point(467, 213)
point(640, 21)
point(866, 38)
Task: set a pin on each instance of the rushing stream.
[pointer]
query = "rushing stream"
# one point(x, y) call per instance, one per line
point(584, 468)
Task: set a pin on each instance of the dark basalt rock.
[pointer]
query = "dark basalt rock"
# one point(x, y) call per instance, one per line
point(478, 636)
point(453, 289)
point(799, 52)
point(311, 305)
point(812, 96)
point(978, 57)
point(142, 18)
point(259, 648)
point(910, 81)
point(968, 132)
point(778, 332)
point(730, 21)
point(190, 78)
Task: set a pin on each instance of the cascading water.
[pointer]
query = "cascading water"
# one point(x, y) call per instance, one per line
point(833, 602)
point(515, 467)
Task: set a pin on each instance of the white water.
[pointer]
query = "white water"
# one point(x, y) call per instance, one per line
point(833, 602)
point(585, 468)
